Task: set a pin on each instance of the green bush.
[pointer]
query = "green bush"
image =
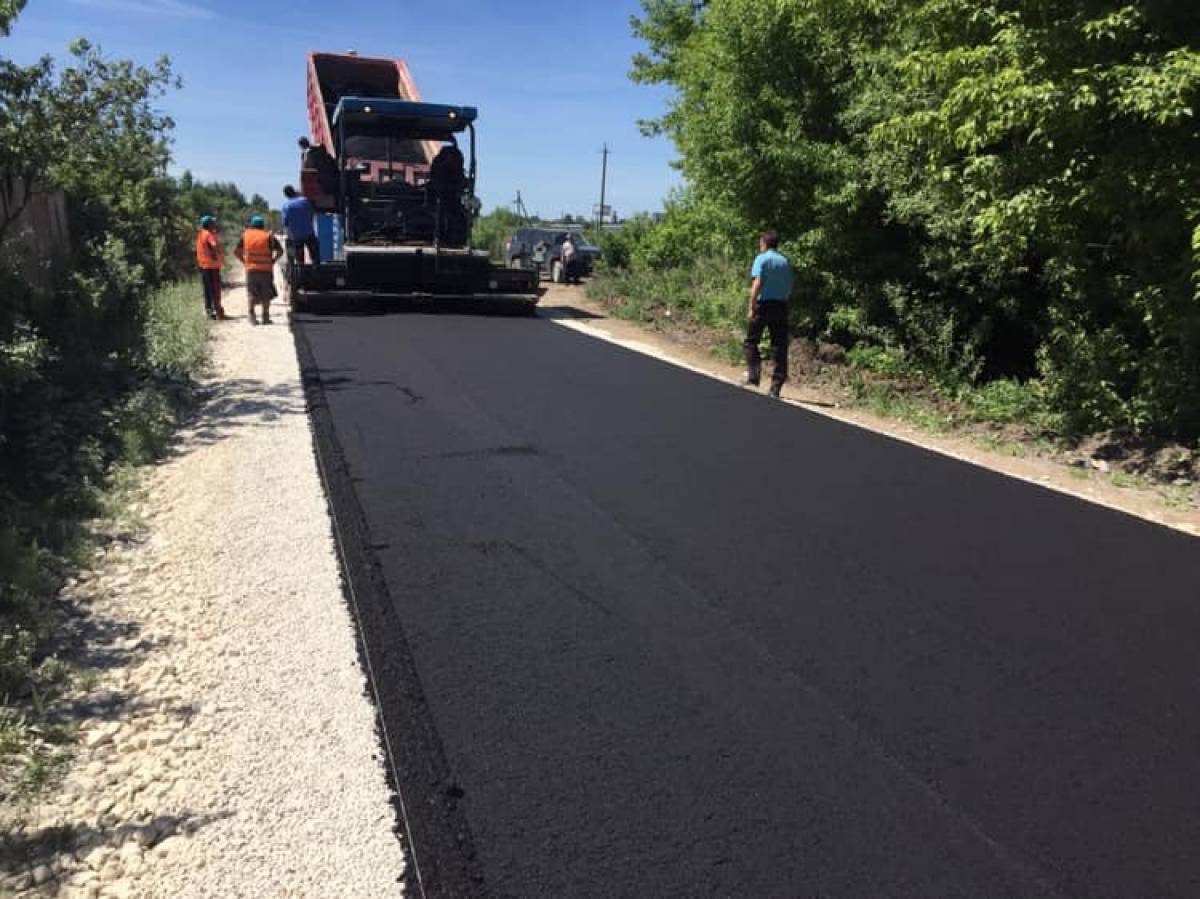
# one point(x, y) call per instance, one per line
point(880, 360)
point(147, 419)
point(1004, 401)
point(491, 231)
point(847, 326)
point(1090, 379)
point(618, 246)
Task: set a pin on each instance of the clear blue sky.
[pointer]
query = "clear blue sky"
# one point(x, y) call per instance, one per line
point(549, 79)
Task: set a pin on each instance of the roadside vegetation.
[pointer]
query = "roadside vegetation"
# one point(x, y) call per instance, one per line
point(99, 347)
point(225, 201)
point(493, 229)
point(994, 209)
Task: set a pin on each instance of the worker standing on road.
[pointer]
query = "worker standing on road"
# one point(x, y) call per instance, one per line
point(297, 214)
point(769, 293)
point(568, 258)
point(258, 250)
point(210, 257)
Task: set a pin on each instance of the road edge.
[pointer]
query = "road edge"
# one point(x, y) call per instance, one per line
point(438, 844)
point(647, 348)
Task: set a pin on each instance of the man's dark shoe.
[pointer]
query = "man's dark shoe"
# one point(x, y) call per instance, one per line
point(749, 381)
point(776, 390)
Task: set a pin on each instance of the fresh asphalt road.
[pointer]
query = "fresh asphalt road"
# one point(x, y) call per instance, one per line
point(677, 639)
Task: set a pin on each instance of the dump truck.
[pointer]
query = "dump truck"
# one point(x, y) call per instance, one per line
point(392, 178)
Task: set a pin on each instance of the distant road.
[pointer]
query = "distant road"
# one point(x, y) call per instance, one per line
point(640, 633)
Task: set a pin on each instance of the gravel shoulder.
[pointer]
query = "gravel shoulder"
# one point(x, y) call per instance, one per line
point(570, 306)
point(229, 747)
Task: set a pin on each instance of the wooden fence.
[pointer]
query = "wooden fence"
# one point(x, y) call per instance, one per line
point(35, 238)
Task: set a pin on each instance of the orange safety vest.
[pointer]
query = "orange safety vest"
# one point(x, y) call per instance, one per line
point(256, 250)
point(208, 250)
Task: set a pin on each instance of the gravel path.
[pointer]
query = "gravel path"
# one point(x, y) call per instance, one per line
point(231, 748)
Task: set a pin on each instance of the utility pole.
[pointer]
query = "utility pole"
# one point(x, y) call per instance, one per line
point(519, 209)
point(603, 180)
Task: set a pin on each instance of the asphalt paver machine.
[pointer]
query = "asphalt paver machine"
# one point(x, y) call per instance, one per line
point(393, 180)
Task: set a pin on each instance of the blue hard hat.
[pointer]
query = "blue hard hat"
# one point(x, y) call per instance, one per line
point(257, 221)
point(206, 220)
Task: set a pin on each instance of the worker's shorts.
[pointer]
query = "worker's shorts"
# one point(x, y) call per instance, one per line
point(260, 286)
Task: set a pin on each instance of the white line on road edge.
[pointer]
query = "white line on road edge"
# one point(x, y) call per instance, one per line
point(655, 353)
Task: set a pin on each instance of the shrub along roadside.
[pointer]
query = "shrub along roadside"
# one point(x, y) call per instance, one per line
point(65, 504)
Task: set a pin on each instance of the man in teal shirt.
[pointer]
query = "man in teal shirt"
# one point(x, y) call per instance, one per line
point(769, 293)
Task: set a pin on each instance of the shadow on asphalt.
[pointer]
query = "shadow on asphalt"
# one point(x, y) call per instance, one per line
point(568, 313)
point(358, 306)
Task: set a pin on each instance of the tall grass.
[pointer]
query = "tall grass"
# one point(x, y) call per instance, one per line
point(177, 330)
point(712, 293)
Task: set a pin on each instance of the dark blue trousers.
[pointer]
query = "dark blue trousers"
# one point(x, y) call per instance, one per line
point(770, 316)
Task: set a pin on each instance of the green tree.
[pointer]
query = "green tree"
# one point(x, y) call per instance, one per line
point(90, 130)
point(223, 200)
point(995, 188)
point(9, 10)
point(1050, 156)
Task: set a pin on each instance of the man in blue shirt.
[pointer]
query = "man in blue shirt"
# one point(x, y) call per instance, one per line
point(769, 293)
point(297, 215)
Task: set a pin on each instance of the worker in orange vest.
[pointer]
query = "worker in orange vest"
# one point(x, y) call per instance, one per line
point(258, 249)
point(210, 257)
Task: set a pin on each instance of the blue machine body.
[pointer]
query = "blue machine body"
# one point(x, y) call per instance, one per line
point(329, 236)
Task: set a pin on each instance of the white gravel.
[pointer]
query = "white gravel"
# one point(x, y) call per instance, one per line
point(244, 758)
